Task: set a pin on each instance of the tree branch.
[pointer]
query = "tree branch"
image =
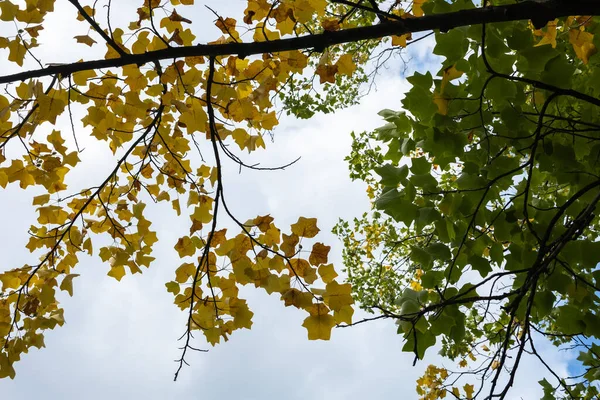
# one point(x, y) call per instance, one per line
point(477, 16)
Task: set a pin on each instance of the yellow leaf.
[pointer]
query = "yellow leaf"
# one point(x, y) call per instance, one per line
point(52, 215)
point(88, 10)
point(319, 254)
point(17, 51)
point(41, 199)
point(305, 227)
point(289, 244)
point(330, 24)
point(337, 296)
point(417, 10)
point(583, 44)
point(85, 39)
point(213, 335)
point(272, 236)
point(326, 73)
point(202, 212)
point(296, 298)
point(327, 273)
point(269, 120)
point(172, 287)
point(276, 264)
point(50, 106)
point(72, 158)
point(9, 10)
point(346, 65)
point(449, 74)
point(6, 368)
point(550, 35)
point(319, 323)
point(263, 222)
point(226, 25)
point(34, 30)
point(277, 284)
point(242, 316)
point(117, 272)
point(10, 280)
point(344, 315)
point(300, 267)
point(67, 283)
point(469, 389)
point(263, 34)
point(401, 39)
point(184, 272)
point(185, 247)
point(195, 118)
point(218, 238)
point(441, 102)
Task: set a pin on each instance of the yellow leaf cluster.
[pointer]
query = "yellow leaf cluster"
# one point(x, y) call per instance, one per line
point(151, 117)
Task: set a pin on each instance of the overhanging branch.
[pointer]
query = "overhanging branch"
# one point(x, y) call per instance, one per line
point(539, 13)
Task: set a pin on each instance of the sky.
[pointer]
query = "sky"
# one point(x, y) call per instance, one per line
point(120, 338)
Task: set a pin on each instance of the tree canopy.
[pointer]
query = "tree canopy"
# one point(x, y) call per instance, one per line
point(483, 233)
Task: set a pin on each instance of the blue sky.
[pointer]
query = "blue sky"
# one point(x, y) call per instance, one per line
point(120, 338)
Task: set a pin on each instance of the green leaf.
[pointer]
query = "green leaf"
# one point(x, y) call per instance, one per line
point(558, 72)
point(392, 176)
point(421, 257)
point(439, 251)
point(480, 265)
point(452, 45)
point(420, 166)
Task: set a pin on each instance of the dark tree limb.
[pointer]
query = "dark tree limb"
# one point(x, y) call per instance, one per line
point(528, 10)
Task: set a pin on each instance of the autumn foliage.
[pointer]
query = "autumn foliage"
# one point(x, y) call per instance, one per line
point(470, 177)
